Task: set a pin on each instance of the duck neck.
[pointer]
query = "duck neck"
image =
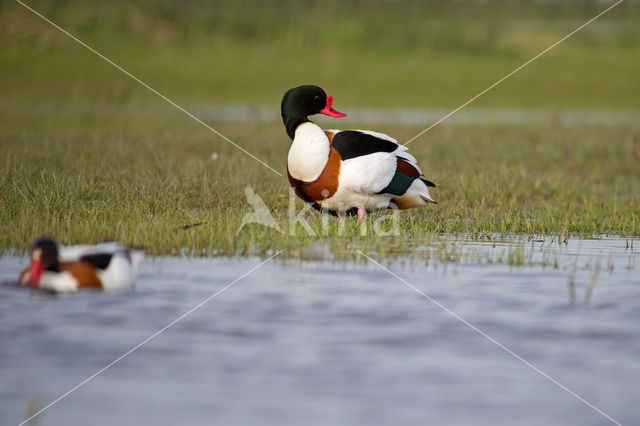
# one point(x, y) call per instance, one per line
point(52, 265)
point(291, 123)
point(309, 152)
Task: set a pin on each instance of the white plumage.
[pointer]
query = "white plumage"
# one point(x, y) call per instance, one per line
point(345, 170)
point(119, 274)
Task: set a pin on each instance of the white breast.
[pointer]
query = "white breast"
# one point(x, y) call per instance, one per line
point(58, 281)
point(309, 152)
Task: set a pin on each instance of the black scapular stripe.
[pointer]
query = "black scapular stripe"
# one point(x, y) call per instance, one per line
point(100, 260)
point(352, 144)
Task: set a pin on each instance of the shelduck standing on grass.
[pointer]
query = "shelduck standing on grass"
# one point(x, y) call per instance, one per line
point(106, 266)
point(347, 171)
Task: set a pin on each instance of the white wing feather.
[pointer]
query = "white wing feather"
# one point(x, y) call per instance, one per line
point(122, 269)
point(402, 151)
point(372, 173)
point(382, 136)
point(73, 253)
point(368, 173)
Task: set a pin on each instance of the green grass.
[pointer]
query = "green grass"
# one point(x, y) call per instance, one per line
point(138, 181)
point(137, 178)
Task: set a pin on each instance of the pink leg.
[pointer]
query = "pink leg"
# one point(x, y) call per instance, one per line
point(361, 214)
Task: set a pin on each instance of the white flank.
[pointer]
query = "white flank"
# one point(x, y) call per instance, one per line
point(119, 274)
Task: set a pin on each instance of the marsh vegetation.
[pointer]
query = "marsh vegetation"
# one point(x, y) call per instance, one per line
point(87, 153)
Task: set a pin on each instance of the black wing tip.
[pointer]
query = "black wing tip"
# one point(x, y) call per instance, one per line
point(98, 260)
point(429, 183)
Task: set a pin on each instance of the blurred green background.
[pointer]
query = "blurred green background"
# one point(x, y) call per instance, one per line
point(367, 53)
point(86, 152)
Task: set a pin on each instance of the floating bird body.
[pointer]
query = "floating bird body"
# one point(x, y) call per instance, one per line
point(347, 171)
point(105, 266)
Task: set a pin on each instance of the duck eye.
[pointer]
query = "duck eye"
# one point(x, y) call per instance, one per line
point(316, 97)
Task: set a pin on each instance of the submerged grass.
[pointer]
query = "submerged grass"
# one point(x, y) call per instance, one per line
point(144, 179)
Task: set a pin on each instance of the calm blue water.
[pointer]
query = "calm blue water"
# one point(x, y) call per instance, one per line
point(323, 343)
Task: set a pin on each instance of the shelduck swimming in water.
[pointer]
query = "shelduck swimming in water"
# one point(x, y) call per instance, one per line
point(347, 171)
point(106, 266)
